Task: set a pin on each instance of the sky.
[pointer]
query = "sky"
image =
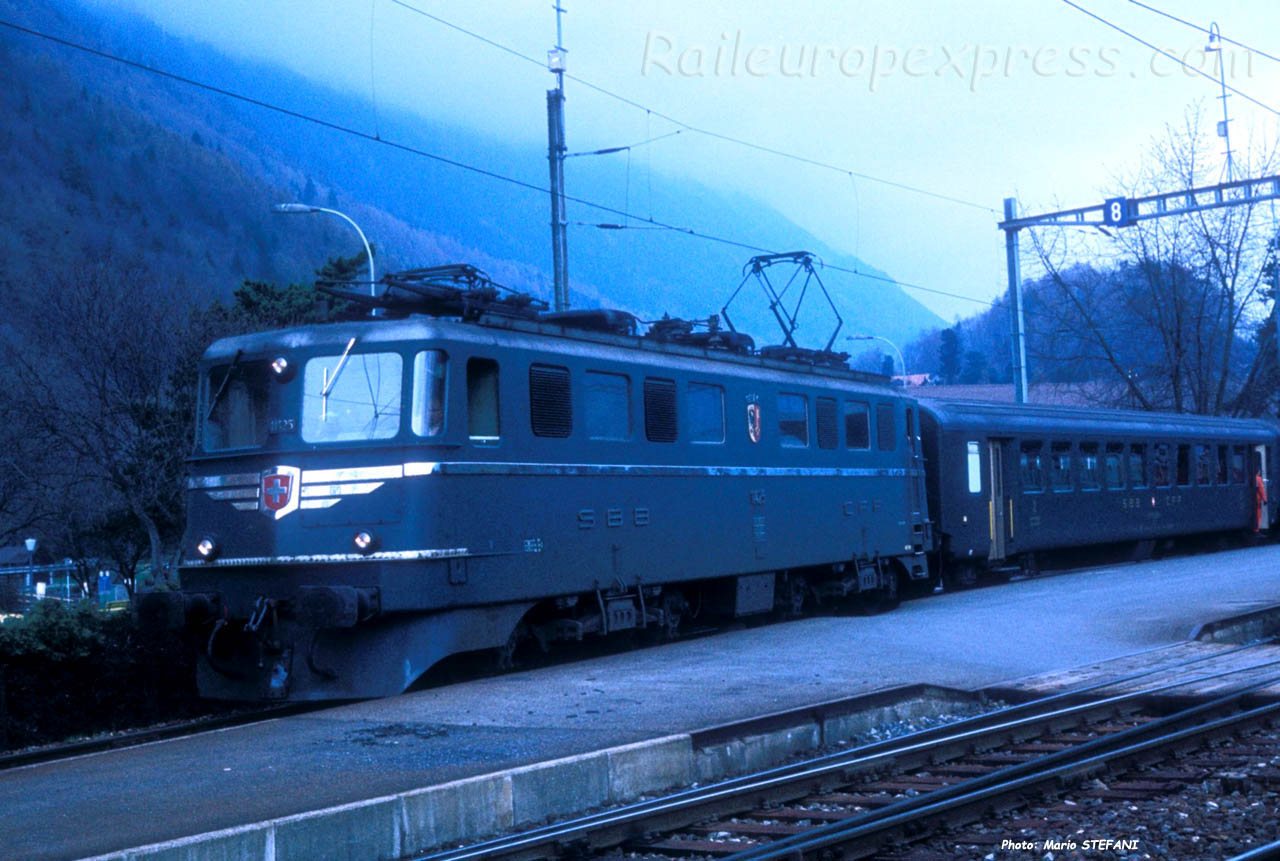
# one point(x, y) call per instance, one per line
point(973, 101)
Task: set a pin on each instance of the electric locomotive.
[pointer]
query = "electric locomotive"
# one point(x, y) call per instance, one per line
point(468, 471)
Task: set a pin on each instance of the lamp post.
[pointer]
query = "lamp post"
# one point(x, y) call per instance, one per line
point(31, 559)
point(302, 208)
point(887, 341)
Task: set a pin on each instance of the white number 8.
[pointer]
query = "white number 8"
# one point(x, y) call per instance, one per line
point(1117, 211)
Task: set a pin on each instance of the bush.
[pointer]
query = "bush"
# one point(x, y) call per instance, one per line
point(76, 671)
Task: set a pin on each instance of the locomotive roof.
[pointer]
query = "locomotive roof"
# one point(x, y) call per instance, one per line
point(1023, 419)
point(502, 332)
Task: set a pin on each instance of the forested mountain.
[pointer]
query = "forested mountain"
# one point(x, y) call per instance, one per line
point(97, 158)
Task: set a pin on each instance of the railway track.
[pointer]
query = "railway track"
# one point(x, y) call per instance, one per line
point(885, 796)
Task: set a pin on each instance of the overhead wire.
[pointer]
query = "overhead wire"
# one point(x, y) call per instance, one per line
point(780, 153)
point(649, 222)
point(1165, 53)
point(1205, 30)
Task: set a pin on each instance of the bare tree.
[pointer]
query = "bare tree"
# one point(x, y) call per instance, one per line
point(94, 353)
point(1164, 315)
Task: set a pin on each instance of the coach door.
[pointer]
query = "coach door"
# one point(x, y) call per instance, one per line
point(998, 512)
point(1262, 471)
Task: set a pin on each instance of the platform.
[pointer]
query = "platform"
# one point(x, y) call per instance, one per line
point(106, 802)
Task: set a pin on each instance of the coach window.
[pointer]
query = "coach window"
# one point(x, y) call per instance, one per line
point(704, 412)
point(793, 420)
point(482, 401)
point(351, 397)
point(824, 419)
point(1237, 464)
point(1204, 465)
point(550, 404)
point(973, 457)
point(1137, 465)
point(857, 425)
point(1161, 476)
point(1113, 466)
point(1224, 473)
point(430, 369)
point(660, 410)
point(608, 405)
point(1090, 469)
point(1184, 465)
point(885, 436)
point(1060, 467)
point(1031, 466)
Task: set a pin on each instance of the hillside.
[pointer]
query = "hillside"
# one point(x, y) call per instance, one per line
point(98, 158)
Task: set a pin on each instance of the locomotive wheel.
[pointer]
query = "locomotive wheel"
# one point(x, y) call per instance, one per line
point(918, 588)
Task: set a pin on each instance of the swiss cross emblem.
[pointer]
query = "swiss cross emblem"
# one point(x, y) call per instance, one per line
point(278, 491)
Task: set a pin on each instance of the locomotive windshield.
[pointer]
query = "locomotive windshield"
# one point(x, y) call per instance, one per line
point(236, 415)
point(353, 397)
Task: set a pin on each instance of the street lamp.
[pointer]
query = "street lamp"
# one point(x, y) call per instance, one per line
point(31, 559)
point(301, 208)
point(887, 341)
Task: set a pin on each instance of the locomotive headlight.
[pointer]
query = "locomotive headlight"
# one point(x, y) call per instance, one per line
point(207, 548)
point(364, 541)
point(282, 368)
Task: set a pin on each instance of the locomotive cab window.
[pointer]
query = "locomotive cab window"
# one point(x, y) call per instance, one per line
point(1237, 464)
point(351, 397)
point(608, 410)
point(973, 459)
point(793, 420)
point(1060, 467)
point(857, 425)
point(550, 404)
point(885, 436)
point(430, 371)
point(483, 426)
point(235, 407)
point(1113, 466)
point(660, 410)
point(1090, 469)
point(1031, 466)
point(1224, 471)
point(704, 412)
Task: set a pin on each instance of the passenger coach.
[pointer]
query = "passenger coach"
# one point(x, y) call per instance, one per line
point(1009, 481)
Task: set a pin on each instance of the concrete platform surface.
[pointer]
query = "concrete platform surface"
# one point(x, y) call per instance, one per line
point(106, 802)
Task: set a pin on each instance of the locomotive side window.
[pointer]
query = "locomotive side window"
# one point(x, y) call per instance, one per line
point(857, 425)
point(1237, 464)
point(550, 403)
point(793, 420)
point(973, 459)
point(1184, 465)
point(1160, 466)
point(430, 369)
point(1204, 466)
point(351, 397)
point(1060, 467)
point(1224, 473)
point(704, 412)
point(608, 413)
point(1031, 466)
point(824, 417)
point(885, 436)
point(1113, 466)
point(236, 411)
point(660, 410)
point(482, 401)
point(1137, 465)
point(1090, 469)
